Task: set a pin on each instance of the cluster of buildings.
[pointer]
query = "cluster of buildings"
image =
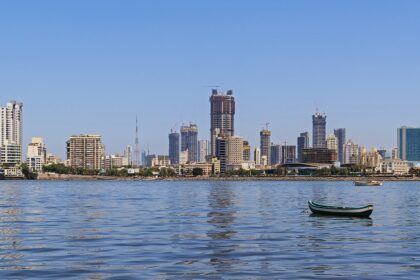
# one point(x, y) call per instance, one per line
point(224, 152)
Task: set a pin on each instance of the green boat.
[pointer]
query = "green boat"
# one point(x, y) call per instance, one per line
point(362, 212)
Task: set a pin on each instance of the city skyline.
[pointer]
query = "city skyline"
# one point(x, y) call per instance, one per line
point(282, 60)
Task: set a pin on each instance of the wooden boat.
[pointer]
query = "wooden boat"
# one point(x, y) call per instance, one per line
point(368, 183)
point(362, 212)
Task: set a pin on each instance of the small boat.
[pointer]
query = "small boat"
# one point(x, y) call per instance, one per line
point(368, 183)
point(361, 212)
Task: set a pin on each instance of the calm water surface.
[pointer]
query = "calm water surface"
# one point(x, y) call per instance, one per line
point(205, 230)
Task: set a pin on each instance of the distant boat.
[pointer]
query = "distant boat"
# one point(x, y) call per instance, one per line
point(371, 183)
point(361, 212)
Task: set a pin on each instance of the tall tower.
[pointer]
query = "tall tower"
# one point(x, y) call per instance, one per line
point(302, 143)
point(319, 124)
point(265, 144)
point(222, 113)
point(340, 133)
point(11, 123)
point(189, 141)
point(136, 146)
point(174, 147)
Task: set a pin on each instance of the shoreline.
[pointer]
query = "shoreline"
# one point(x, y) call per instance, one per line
point(67, 177)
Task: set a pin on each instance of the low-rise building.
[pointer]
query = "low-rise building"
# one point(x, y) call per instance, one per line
point(395, 166)
point(319, 155)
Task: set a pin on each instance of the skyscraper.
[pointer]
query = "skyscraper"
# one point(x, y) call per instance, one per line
point(222, 113)
point(288, 154)
point(409, 143)
point(265, 144)
point(11, 133)
point(174, 147)
point(276, 154)
point(302, 143)
point(340, 133)
point(247, 151)
point(351, 153)
point(203, 150)
point(257, 156)
point(319, 124)
point(189, 141)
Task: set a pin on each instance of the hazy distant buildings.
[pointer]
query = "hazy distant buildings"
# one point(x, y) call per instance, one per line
point(395, 154)
point(85, 151)
point(288, 154)
point(189, 141)
point(265, 144)
point(11, 125)
point(319, 155)
point(302, 143)
point(222, 113)
point(332, 143)
point(36, 155)
point(203, 150)
point(351, 153)
point(247, 151)
point(340, 133)
point(257, 156)
point(319, 124)
point(276, 154)
point(409, 143)
point(174, 147)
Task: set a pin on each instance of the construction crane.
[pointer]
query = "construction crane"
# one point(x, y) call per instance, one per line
point(266, 125)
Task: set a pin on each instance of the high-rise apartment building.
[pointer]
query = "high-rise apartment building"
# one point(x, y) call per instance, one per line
point(340, 133)
point(174, 147)
point(85, 151)
point(265, 144)
point(36, 155)
point(302, 143)
point(247, 151)
point(128, 154)
point(229, 150)
point(276, 154)
point(332, 143)
point(319, 125)
point(11, 125)
point(203, 150)
point(288, 154)
point(351, 153)
point(189, 141)
point(409, 143)
point(222, 113)
point(257, 156)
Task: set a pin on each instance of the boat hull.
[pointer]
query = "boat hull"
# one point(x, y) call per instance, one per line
point(362, 212)
point(368, 184)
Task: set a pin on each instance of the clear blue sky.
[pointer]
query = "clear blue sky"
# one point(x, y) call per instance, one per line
point(91, 66)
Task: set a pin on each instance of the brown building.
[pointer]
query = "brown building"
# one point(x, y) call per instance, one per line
point(319, 155)
point(85, 151)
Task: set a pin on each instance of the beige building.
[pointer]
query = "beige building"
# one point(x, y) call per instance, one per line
point(36, 155)
point(370, 159)
point(85, 151)
point(395, 166)
point(332, 143)
point(235, 150)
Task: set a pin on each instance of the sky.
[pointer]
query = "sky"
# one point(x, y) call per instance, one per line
point(92, 66)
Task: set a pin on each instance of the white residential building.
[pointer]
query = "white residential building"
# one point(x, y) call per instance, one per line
point(395, 166)
point(203, 150)
point(351, 153)
point(36, 155)
point(11, 133)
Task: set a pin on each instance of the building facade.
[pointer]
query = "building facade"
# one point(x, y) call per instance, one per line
point(203, 150)
point(189, 141)
point(319, 126)
point(174, 147)
point(265, 144)
point(222, 116)
point(11, 126)
point(302, 143)
point(276, 154)
point(320, 155)
point(36, 155)
point(85, 151)
point(288, 154)
point(340, 133)
point(332, 143)
point(409, 143)
point(351, 152)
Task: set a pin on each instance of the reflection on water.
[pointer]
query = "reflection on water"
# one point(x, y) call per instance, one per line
point(221, 216)
point(205, 230)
